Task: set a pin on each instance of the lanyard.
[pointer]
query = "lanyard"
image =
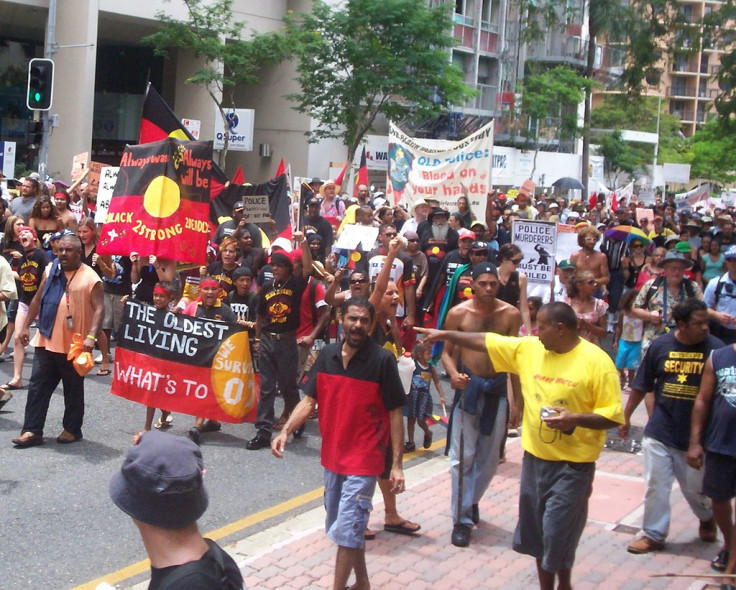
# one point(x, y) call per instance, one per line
point(69, 320)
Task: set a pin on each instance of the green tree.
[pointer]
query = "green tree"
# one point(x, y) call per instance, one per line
point(212, 33)
point(620, 111)
point(369, 57)
point(713, 150)
point(555, 94)
point(619, 156)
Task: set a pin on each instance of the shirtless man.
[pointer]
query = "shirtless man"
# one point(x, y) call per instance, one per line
point(478, 420)
point(588, 259)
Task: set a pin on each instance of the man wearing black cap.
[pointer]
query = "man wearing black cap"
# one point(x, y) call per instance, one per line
point(161, 487)
point(315, 223)
point(278, 320)
point(238, 224)
point(478, 418)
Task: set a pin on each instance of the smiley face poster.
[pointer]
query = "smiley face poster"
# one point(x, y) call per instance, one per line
point(160, 204)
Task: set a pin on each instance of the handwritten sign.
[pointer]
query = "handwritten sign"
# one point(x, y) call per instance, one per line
point(256, 209)
point(538, 243)
point(93, 178)
point(79, 165)
point(108, 178)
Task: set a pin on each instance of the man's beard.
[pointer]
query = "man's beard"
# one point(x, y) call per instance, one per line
point(439, 232)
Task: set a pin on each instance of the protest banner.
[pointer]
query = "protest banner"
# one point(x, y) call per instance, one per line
point(255, 208)
point(108, 178)
point(160, 204)
point(93, 178)
point(691, 198)
point(538, 243)
point(642, 213)
point(440, 170)
point(277, 190)
point(184, 364)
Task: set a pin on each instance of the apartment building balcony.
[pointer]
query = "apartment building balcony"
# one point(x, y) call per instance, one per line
point(465, 34)
point(562, 49)
point(486, 101)
point(686, 116)
point(681, 91)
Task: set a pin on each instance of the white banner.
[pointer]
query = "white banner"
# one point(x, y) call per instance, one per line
point(676, 173)
point(239, 129)
point(108, 178)
point(689, 199)
point(538, 243)
point(444, 173)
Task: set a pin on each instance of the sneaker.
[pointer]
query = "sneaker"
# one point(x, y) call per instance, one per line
point(707, 530)
point(513, 433)
point(5, 397)
point(644, 545)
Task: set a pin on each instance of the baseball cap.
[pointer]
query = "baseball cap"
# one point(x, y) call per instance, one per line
point(479, 246)
point(314, 201)
point(465, 234)
point(482, 268)
point(565, 264)
point(683, 247)
point(238, 205)
point(280, 258)
point(161, 481)
point(730, 254)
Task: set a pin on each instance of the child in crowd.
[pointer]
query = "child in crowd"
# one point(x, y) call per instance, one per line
point(627, 339)
point(163, 294)
point(535, 303)
point(419, 403)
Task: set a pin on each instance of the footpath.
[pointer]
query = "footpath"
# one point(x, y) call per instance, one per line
point(295, 554)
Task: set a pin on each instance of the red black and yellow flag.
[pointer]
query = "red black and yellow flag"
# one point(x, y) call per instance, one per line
point(158, 122)
point(362, 176)
point(160, 204)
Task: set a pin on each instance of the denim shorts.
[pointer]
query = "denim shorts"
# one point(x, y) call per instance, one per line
point(348, 503)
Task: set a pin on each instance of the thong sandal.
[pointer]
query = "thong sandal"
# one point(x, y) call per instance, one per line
point(403, 528)
point(103, 372)
point(12, 386)
point(163, 425)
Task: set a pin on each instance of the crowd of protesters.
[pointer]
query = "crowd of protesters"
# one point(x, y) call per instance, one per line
point(432, 266)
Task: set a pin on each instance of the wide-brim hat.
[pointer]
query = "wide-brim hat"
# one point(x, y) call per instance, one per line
point(437, 211)
point(329, 183)
point(161, 481)
point(675, 256)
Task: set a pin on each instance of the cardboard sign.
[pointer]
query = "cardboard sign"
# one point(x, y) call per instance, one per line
point(93, 178)
point(108, 178)
point(256, 208)
point(79, 165)
point(353, 236)
point(538, 243)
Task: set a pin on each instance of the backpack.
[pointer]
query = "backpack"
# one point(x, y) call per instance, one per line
point(213, 569)
point(659, 281)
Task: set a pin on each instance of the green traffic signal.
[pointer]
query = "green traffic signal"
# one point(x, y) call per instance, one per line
point(40, 84)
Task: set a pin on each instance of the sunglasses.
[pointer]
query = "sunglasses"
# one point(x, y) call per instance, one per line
point(358, 281)
point(390, 235)
point(591, 282)
point(479, 252)
point(637, 245)
point(412, 240)
point(516, 261)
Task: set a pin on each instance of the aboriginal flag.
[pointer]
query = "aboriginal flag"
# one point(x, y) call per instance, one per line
point(158, 122)
point(160, 204)
point(362, 176)
point(278, 200)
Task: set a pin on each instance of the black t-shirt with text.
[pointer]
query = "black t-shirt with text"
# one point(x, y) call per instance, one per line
point(673, 371)
point(279, 304)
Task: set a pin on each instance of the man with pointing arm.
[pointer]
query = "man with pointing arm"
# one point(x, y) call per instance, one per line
point(571, 396)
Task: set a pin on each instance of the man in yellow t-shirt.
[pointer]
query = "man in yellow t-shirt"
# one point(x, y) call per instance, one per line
point(571, 397)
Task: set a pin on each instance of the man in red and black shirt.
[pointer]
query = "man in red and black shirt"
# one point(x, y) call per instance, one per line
point(360, 400)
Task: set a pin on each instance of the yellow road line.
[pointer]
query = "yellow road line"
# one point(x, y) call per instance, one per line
point(145, 565)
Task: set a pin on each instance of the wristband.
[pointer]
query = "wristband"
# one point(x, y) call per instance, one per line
point(91, 337)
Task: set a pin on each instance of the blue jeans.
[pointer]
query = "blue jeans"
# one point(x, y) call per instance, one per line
point(480, 456)
point(662, 464)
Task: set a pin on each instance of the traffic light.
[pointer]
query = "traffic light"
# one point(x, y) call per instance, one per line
point(40, 84)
